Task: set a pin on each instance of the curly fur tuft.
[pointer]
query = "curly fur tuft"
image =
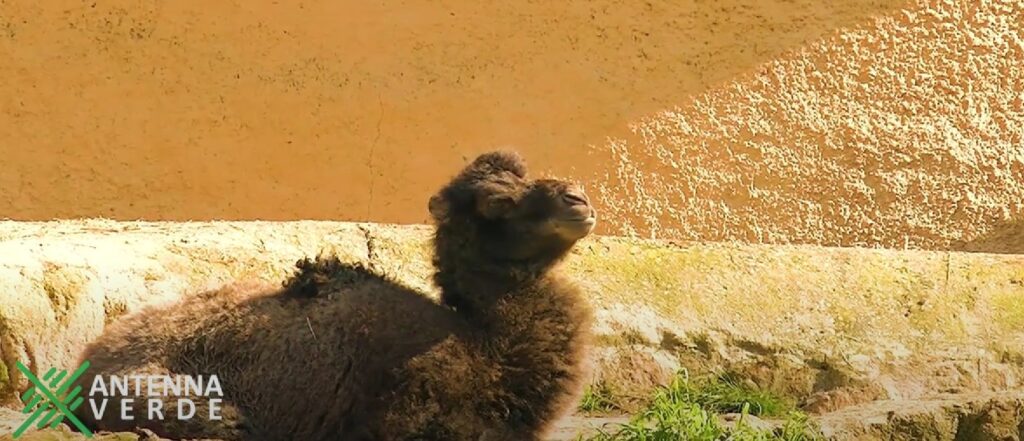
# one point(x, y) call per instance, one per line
point(324, 275)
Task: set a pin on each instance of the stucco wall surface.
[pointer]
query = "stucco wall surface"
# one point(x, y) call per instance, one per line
point(903, 132)
point(874, 122)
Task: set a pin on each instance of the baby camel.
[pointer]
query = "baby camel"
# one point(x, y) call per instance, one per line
point(500, 359)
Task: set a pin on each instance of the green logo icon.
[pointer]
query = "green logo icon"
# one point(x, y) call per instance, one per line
point(53, 404)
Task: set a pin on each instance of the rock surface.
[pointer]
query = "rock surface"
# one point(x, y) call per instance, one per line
point(947, 417)
point(836, 330)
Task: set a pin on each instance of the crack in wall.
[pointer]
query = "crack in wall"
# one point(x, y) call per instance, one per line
point(373, 149)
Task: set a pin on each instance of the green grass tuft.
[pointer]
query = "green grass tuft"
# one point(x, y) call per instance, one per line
point(598, 398)
point(683, 410)
point(728, 394)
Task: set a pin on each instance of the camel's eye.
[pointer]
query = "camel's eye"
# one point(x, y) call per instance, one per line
point(497, 206)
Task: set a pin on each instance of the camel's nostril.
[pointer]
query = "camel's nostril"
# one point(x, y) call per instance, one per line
point(573, 198)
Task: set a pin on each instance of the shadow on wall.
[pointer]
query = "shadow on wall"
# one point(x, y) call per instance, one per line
point(347, 110)
point(1005, 238)
point(902, 133)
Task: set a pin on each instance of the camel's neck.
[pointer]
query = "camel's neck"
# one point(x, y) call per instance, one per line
point(472, 285)
point(505, 297)
point(510, 297)
point(537, 336)
point(531, 323)
point(509, 304)
point(550, 311)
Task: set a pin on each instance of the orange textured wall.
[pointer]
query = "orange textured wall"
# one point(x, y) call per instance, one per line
point(845, 122)
point(907, 131)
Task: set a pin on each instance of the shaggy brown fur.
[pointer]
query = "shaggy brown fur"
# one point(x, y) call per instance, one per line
point(325, 275)
point(344, 354)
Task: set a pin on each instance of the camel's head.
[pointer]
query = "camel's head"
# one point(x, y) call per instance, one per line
point(493, 208)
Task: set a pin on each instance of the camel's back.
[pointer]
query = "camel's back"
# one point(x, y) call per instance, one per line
point(296, 368)
point(312, 368)
point(145, 342)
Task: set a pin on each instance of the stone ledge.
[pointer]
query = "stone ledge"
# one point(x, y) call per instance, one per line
point(829, 327)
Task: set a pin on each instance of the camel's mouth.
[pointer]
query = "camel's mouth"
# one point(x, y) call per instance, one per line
point(588, 220)
point(576, 227)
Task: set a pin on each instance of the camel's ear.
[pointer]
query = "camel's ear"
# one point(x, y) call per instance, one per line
point(438, 207)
